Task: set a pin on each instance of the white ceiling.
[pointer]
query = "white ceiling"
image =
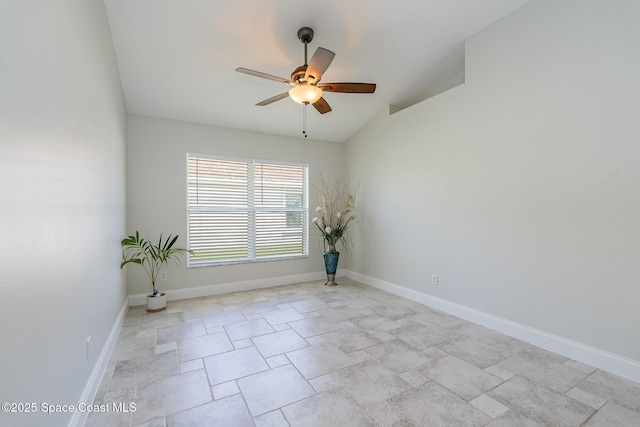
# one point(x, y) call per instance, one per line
point(177, 58)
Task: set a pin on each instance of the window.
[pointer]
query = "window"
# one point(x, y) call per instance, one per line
point(243, 210)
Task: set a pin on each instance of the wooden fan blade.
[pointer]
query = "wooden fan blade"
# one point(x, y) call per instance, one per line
point(264, 75)
point(322, 106)
point(273, 99)
point(348, 87)
point(319, 63)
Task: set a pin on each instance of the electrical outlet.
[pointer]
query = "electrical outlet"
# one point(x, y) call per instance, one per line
point(88, 347)
point(163, 275)
point(434, 279)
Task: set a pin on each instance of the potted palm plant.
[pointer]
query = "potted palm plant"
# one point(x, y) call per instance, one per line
point(152, 258)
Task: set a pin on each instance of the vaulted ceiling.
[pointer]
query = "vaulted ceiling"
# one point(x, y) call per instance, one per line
point(177, 58)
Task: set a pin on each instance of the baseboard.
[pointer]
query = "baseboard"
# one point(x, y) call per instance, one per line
point(225, 288)
point(601, 359)
point(91, 388)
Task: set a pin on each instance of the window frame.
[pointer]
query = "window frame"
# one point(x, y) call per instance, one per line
point(252, 211)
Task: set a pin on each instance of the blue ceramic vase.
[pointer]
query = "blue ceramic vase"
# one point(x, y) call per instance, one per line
point(331, 265)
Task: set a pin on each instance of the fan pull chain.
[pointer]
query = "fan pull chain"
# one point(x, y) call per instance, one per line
point(304, 119)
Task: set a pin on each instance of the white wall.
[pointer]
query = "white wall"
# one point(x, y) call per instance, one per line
point(156, 201)
point(520, 188)
point(62, 200)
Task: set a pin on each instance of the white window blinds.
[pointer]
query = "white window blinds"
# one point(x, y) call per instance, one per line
point(245, 210)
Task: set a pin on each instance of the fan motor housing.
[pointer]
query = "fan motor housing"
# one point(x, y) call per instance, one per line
point(299, 73)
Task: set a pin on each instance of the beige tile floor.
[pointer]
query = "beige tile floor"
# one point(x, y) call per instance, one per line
point(309, 355)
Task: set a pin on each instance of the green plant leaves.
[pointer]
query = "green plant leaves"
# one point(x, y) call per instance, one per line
point(151, 257)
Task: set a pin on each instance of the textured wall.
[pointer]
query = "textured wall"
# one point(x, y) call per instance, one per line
point(520, 187)
point(157, 198)
point(62, 200)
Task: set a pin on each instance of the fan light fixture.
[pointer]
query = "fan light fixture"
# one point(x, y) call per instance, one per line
point(305, 94)
point(306, 81)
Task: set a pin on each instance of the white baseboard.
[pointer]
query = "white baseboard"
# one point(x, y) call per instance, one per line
point(610, 362)
point(225, 288)
point(91, 388)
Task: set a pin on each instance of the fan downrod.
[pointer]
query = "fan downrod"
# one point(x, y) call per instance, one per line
point(305, 35)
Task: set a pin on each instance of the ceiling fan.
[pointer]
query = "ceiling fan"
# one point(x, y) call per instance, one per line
point(306, 79)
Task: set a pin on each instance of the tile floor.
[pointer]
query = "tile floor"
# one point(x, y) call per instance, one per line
point(309, 355)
